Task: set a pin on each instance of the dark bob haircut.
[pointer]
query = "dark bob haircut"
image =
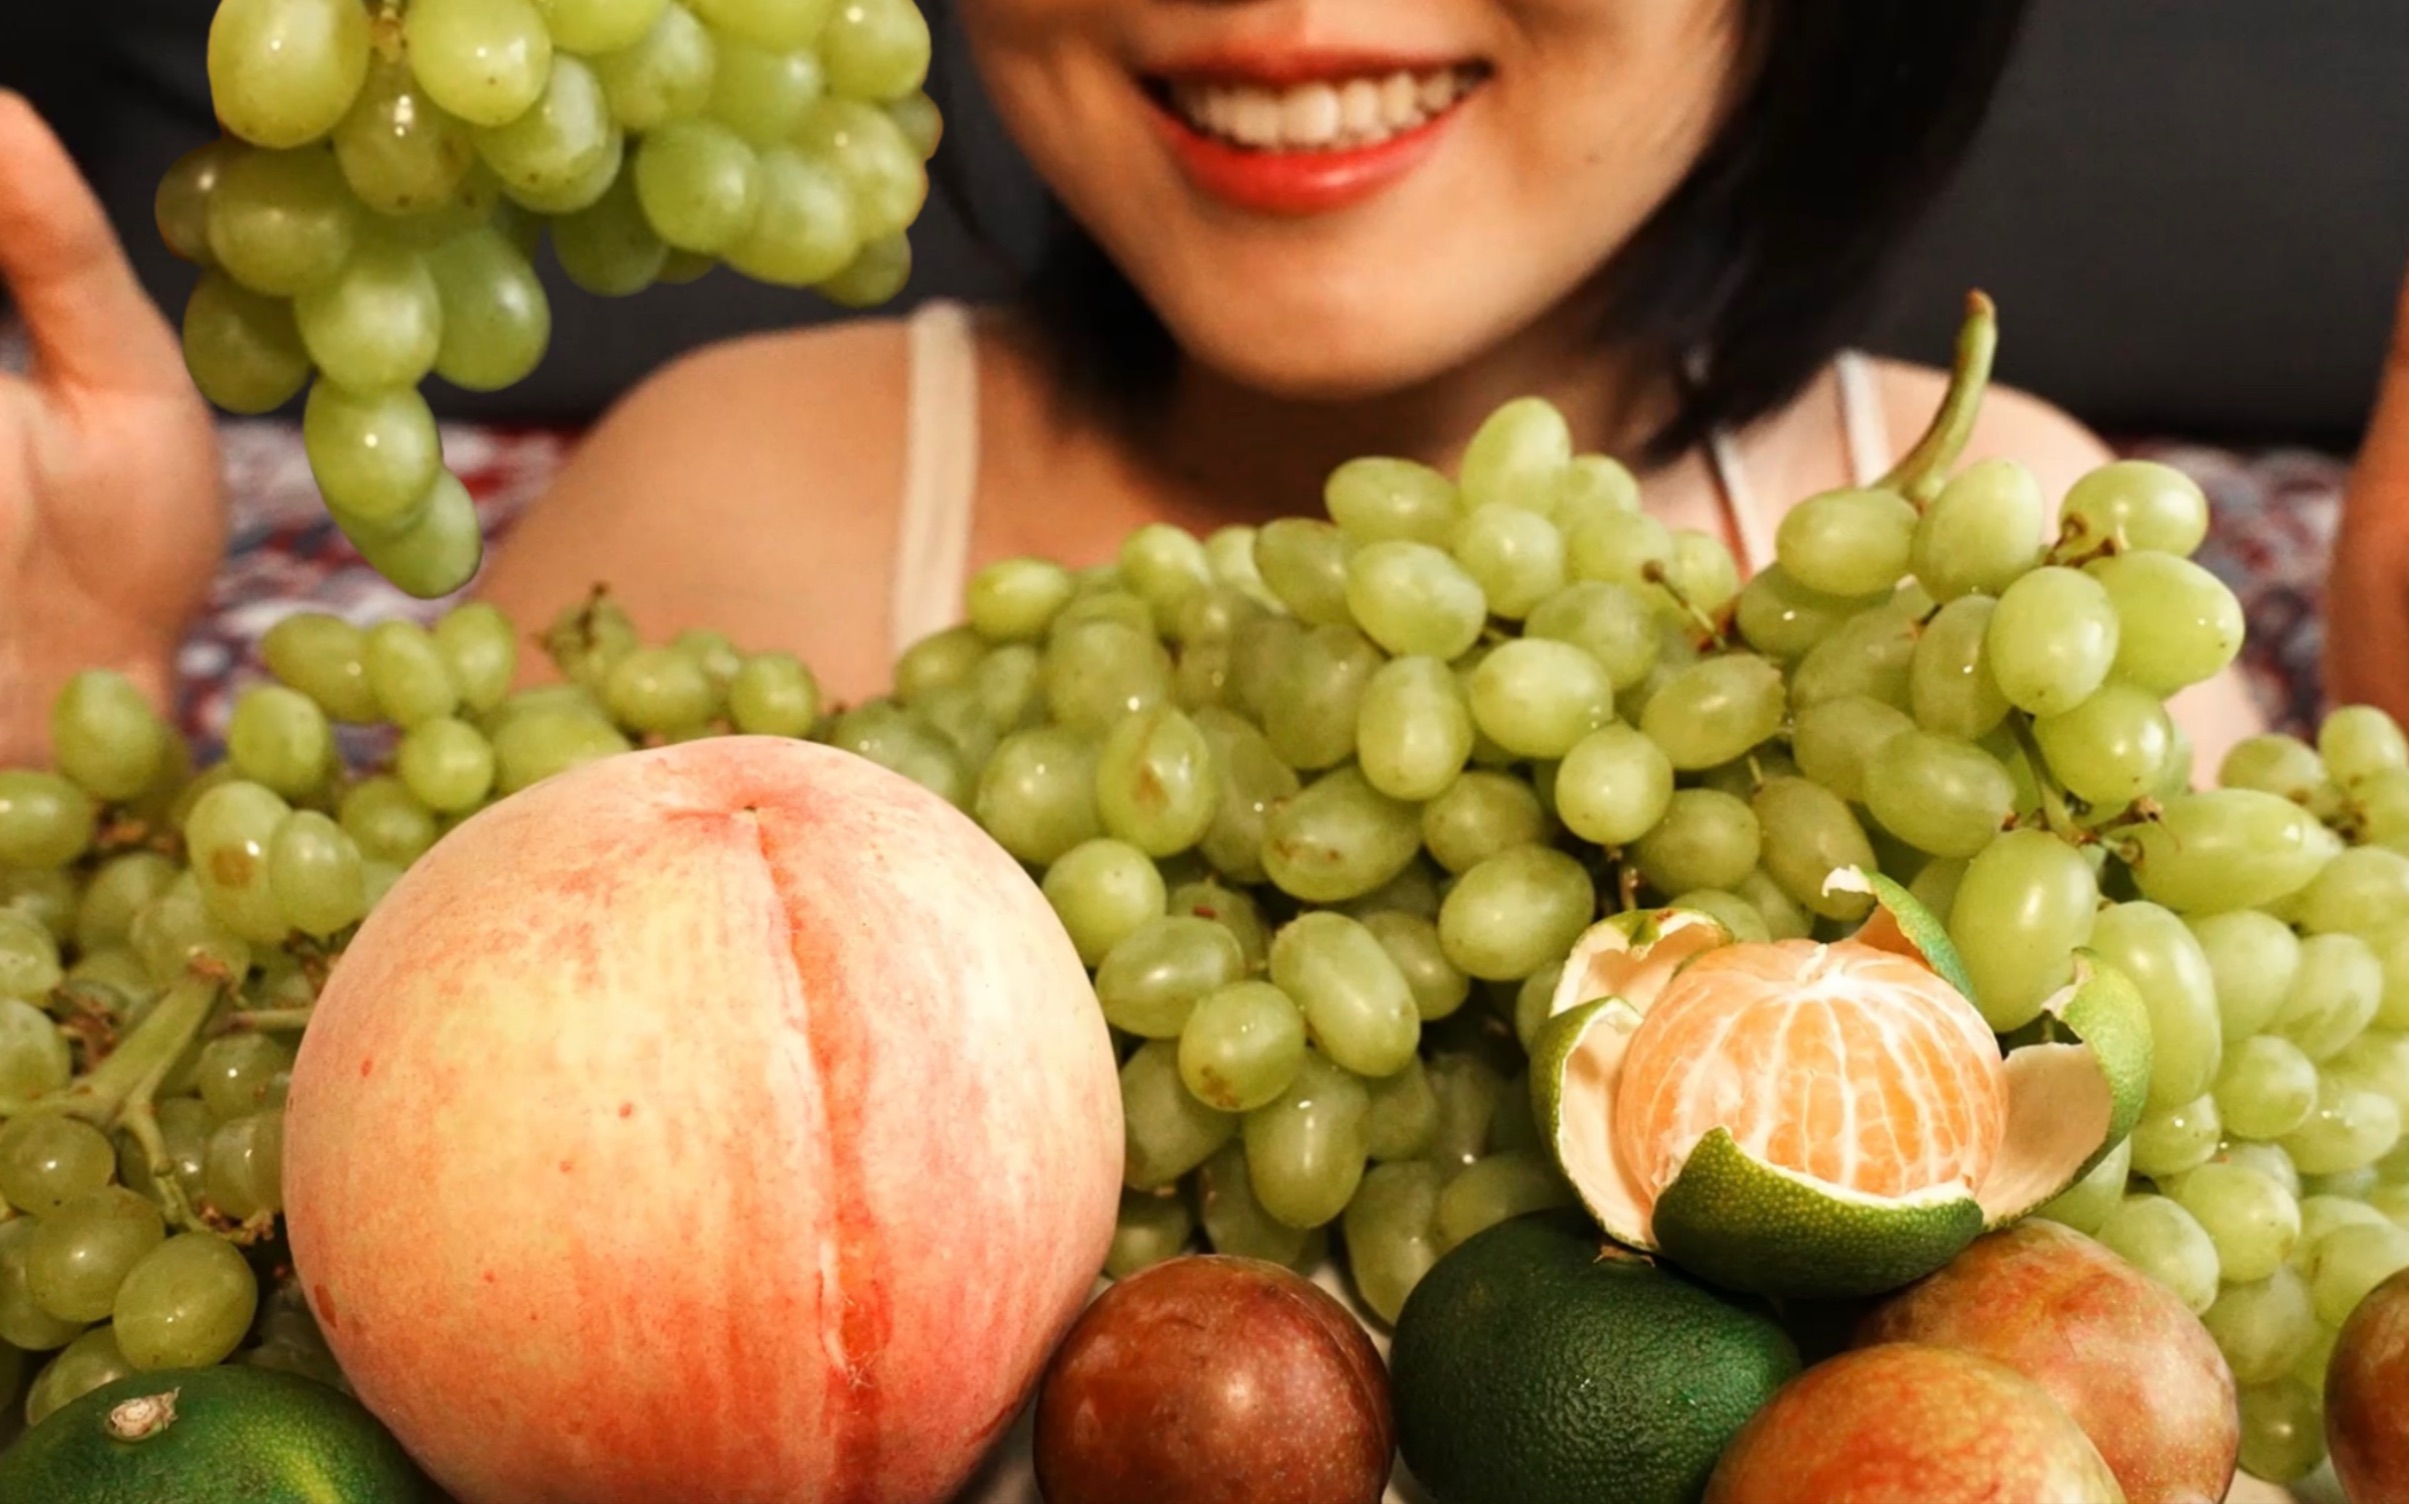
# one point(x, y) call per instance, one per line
point(1759, 268)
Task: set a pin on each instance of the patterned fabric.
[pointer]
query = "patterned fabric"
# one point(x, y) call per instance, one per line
point(2274, 515)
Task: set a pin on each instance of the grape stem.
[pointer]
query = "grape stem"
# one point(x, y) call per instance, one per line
point(1655, 573)
point(1924, 469)
point(2054, 812)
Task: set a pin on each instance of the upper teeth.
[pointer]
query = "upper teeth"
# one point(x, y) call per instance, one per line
point(1358, 112)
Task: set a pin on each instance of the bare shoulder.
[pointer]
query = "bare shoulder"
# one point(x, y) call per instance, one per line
point(2013, 425)
point(750, 487)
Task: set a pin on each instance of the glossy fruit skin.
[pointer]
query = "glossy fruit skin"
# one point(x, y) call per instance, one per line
point(240, 1435)
point(1537, 1364)
point(2116, 1349)
point(1903, 1423)
point(740, 1105)
point(1215, 1380)
point(2367, 1398)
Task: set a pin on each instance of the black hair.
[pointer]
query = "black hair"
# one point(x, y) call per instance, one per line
point(1760, 267)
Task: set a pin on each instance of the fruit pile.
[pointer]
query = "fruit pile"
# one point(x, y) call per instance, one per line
point(1325, 806)
point(391, 167)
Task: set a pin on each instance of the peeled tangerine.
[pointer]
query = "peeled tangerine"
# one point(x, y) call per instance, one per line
point(1834, 1120)
point(729, 1122)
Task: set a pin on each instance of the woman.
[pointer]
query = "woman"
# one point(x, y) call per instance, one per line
point(1305, 230)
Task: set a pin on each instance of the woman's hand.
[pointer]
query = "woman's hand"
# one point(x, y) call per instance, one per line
point(2367, 596)
point(111, 519)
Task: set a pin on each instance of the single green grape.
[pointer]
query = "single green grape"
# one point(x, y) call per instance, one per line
point(2052, 640)
point(1615, 624)
point(1169, 1132)
point(34, 1058)
point(45, 821)
point(2252, 1220)
point(1157, 786)
point(89, 1362)
point(877, 161)
point(2108, 750)
point(1835, 741)
point(279, 738)
point(1981, 533)
point(1241, 1046)
point(2359, 741)
point(242, 348)
point(496, 317)
point(665, 75)
point(106, 736)
point(1537, 698)
point(180, 207)
point(187, 1304)
point(1517, 558)
point(375, 456)
point(2335, 994)
point(316, 875)
point(1355, 999)
point(1014, 600)
point(609, 248)
point(1390, 1225)
point(1338, 839)
point(2166, 965)
point(1152, 978)
point(2253, 958)
point(1305, 563)
point(24, 1325)
point(1236, 1224)
point(1497, 1189)
point(2274, 763)
point(534, 746)
point(376, 324)
point(2263, 1327)
point(1614, 786)
point(1408, 596)
point(1951, 689)
point(2144, 504)
point(486, 61)
point(1938, 794)
point(1784, 620)
point(227, 838)
point(80, 1254)
point(2363, 891)
point(1516, 456)
point(2178, 624)
point(2162, 1239)
point(1478, 816)
point(46, 1162)
point(1852, 542)
point(386, 821)
point(401, 152)
point(1516, 912)
point(2086, 1205)
point(283, 72)
point(280, 222)
point(1412, 942)
point(408, 675)
point(876, 49)
point(1380, 500)
point(2283, 1430)
point(29, 957)
point(1715, 711)
point(804, 230)
point(1099, 671)
point(1707, 839)
point(2349, 1131)
point(2266, 1087)
point(1254, 783)
point(1230, 908)
point(1305, 1150)
point(1808, 834)
point(2171, 1141)
point(2348, 1262)
point(699, 183)
point(1103, 890)
point(244, 1169)
point(2227, 849)
point(2026, 903)
point(1871, 654)
point(774, 694)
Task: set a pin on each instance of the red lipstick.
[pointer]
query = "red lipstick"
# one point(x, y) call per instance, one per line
point(1295, 182)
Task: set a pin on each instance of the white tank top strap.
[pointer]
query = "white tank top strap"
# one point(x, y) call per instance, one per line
point(940, 472)
point(1865, 429)
point(1863, 421)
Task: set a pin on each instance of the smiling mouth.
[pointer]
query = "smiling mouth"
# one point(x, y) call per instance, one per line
point(1321, 115)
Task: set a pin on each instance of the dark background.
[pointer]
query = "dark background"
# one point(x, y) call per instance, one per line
point(2194, 213)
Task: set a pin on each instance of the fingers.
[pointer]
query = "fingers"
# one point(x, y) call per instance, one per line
point(90, 322)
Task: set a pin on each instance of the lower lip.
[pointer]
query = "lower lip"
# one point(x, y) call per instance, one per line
point(1297, 183)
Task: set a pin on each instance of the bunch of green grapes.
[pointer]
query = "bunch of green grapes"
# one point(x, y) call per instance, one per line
point(391, 166)
point(2275, 1198)
point(1324, 804)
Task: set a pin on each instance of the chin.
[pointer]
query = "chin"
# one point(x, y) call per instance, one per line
point(1304, 350)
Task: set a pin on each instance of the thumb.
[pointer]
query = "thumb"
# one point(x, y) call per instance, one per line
point(90, 322)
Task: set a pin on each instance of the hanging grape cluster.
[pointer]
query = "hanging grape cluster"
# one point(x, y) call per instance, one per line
point(392, 166)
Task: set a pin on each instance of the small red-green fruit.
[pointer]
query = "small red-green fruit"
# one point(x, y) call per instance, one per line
point(1904, 1423)
point(2367, 1398)
point(2117, 1350)
point(1215, 1381)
